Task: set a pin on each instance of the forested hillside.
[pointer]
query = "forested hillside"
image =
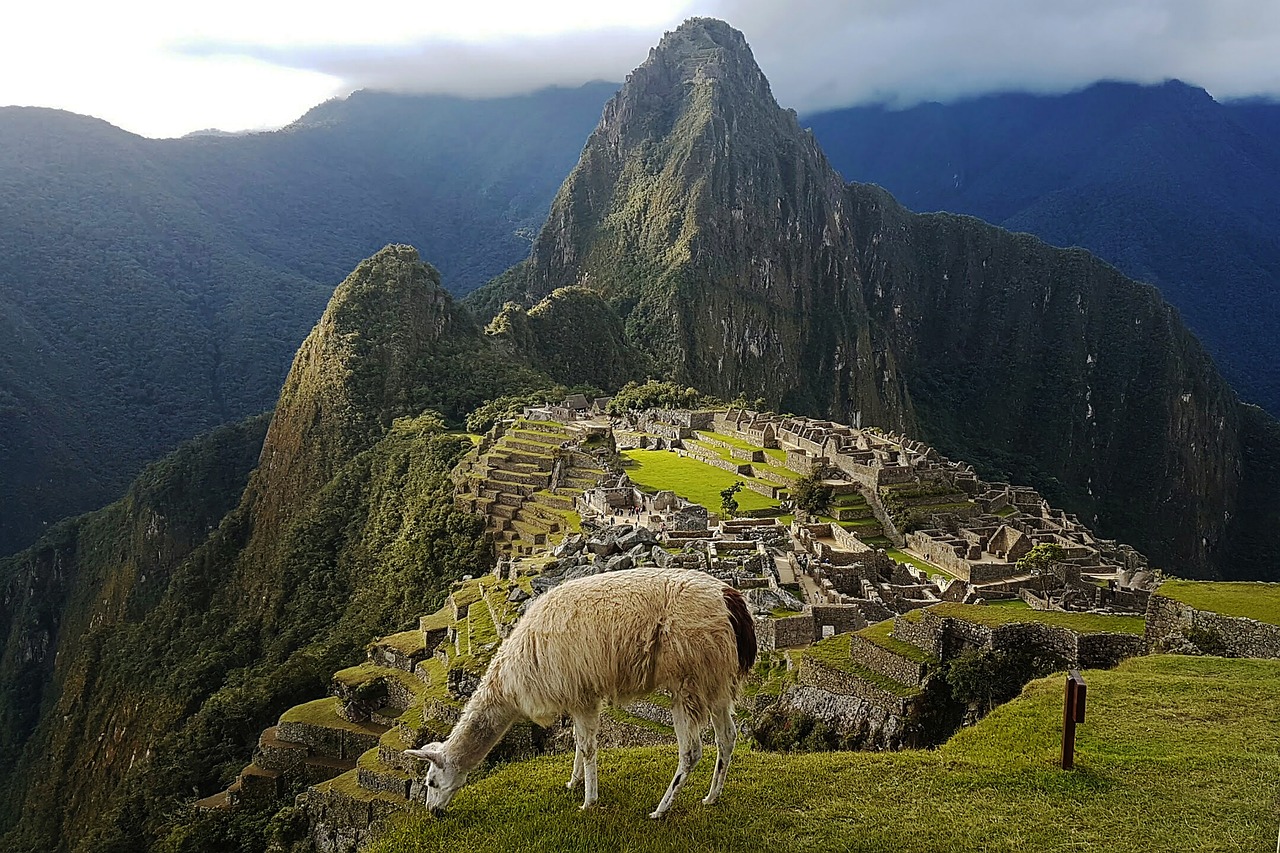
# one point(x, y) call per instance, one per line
point(1166, 183)
point(153, 289)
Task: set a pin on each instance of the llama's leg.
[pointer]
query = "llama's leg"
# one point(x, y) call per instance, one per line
point(726, 735)
point(576, 776)
point(690, 746)
point(585, 729)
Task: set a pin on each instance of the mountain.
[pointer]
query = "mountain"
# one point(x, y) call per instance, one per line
point(741, 263)
point(1163, 181)
point(165, 630)
point(703, 235)
point(153, 289)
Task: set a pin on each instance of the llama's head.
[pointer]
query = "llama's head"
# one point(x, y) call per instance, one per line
point(444, 777)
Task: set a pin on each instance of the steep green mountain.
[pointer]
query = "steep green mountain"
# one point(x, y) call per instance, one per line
point(153, 289)
point(1163, 181)
point(742, 264)
point(147, 644)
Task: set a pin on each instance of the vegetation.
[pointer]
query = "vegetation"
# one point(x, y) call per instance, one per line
point(1200, 242)
point(176, 278)
point(192, 636)
point(696, 481)
point(652, 394)
point(728, 501)
point(994, 786)
point(811, 495)
point(1249, 600)
point(881, 634)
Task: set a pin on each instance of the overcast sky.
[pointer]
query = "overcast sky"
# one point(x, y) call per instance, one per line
point(166, 68)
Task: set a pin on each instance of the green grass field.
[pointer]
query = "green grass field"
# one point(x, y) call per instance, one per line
point(1259, 601)
point(1176, 754)
point(696, 481)
point(923, 565)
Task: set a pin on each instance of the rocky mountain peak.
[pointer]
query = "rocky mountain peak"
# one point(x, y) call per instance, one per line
point(354, 373)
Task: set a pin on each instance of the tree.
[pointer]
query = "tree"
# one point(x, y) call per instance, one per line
point(1039, 561)
point(811, 495)
point(728, 503)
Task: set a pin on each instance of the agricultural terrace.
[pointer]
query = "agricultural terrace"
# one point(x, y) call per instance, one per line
point(1081, 623)
point(655, 470)
point(1176, 753)
point(1259, 601)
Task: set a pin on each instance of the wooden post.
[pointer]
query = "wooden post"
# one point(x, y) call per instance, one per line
point(1072, 713)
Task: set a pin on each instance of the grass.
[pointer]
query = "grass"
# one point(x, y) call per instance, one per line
point(322, 713)
point(881, 634)
point(346, 784)
point(1177, 753)
point(1006, 511)
point(405, 642)
point(1081, 623)
point(730, 440)
point(441, 619)
point(692, 480)
point(923, 565)
point(1259, 601)
point(833, 653)
point(779, 457)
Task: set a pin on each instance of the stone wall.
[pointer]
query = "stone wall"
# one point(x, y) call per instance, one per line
point(789, 631)
point(1168, 620)
point(812, 673)
point(842, 618)
point(944, 637)
point(888, 663)
point(862, 723)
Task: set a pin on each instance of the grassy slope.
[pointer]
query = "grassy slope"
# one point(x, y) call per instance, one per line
point(1177, 754)
point(1251, 600)
point(689, 478)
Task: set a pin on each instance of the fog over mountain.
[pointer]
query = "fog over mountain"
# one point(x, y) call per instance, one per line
point(821, 54)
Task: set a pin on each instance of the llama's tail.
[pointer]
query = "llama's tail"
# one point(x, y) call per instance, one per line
point(744, 630)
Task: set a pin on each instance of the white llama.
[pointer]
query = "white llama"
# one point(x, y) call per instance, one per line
point(611, 637)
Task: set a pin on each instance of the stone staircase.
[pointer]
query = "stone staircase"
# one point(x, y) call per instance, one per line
point(525, 485)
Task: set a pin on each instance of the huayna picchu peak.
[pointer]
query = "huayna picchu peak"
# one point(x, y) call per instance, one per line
point(742, 265)
point(935, 460)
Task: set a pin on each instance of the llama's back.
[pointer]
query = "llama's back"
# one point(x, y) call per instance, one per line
point(618, 636)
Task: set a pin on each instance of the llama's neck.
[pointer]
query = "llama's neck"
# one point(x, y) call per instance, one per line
point(484, 721)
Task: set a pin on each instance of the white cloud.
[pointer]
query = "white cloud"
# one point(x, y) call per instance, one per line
point(167, 68)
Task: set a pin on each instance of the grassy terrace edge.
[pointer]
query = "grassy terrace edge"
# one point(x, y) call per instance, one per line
point(994, 786)
point(1246, 599)
point(1081, 623)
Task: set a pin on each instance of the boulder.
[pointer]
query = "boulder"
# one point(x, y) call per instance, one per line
point(763, 600)
point(620, 563)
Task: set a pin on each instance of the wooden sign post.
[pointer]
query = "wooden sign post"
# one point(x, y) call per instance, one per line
point(1072, 713)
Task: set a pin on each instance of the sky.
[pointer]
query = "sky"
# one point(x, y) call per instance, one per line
point(168, 68)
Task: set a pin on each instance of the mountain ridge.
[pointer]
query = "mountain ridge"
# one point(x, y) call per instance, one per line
point(1166, 183)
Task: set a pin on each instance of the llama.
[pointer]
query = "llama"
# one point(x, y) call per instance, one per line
point(611, 637)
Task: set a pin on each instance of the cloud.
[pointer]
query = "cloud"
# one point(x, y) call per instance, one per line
point(829, 53)
point(503, 66)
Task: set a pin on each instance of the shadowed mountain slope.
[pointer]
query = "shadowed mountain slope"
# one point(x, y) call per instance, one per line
point(1169, 185)
point(153, 289)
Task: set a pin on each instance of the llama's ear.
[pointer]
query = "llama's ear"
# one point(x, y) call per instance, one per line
point(432, 752)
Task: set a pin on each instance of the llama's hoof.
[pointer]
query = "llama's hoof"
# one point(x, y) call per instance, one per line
point(708, 801)
point(573, 783)
point(586, 806)
point(656, 815)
